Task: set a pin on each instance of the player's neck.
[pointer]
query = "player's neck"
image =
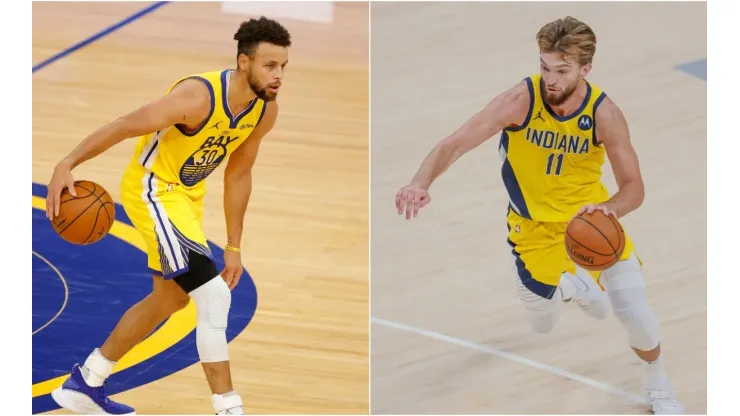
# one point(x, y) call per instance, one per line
point(239, 94)
point(573, 103)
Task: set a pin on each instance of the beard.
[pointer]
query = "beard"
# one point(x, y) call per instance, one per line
point(559, 98)
point(260, 90)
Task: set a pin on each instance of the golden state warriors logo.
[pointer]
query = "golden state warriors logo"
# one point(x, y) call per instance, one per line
point(205, 160)
point(585, 122)
point(80, 293)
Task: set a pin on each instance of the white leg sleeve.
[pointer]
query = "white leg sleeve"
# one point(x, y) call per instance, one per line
point(542, 313)
point(625, 286)
point(213, 301)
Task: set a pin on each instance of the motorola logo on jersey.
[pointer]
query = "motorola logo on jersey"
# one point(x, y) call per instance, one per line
point(547, 139)
point(205, 160)
point(585, 122)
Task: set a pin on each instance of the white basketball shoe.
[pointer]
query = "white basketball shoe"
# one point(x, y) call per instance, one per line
point(660, 396)
point(584, 291)
point(227, 404)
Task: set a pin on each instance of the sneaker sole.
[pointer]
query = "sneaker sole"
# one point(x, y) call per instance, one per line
point(86, 406)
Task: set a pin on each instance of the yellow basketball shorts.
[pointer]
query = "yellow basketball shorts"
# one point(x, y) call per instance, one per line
point(169, 220)
point(539, 255)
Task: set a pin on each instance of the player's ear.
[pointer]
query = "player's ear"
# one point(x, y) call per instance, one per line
point(243, 61)
point(585, 70)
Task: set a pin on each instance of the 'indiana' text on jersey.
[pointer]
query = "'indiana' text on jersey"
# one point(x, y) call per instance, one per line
point(178, 156)
point(552, 164)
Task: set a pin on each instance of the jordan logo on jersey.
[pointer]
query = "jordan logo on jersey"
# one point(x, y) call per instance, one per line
point(547, 139)
point(205, 160)
point(539, 116)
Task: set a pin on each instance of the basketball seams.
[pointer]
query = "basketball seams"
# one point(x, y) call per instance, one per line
point(602, 234)
point(584, 246)
point(60, 232)
point(111, 217)
point(620, 231)
point(92, 229)
point(97, 198)
point(610, 262)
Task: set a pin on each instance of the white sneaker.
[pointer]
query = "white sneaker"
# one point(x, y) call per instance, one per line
point(589, 296)
point(229, 404)
point(660, 397)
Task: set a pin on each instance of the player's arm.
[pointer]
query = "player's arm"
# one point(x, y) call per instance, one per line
point(188, 104)
point(507, 109)
point(238, 176)
point(613, 132)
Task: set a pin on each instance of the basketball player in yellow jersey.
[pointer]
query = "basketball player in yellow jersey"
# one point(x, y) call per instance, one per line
point(183, 137)
point(556, 130)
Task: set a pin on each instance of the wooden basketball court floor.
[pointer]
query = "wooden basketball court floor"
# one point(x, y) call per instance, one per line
point(448, 334)
point(305, 242)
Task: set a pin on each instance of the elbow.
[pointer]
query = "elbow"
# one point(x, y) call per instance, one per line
point(450, 146)
point(237, 174)
point(641, 195)
point(638, 193)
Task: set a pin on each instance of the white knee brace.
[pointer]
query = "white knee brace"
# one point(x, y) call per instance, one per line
point(625, 286)
point(213, 301)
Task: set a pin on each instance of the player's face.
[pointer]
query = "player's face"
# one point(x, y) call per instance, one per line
point(560, 74)
point(265, 70)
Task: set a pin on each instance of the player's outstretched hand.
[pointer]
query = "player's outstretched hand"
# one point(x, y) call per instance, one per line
point(62, 178)
point(232, 268)
point(411, 198)
point(590, 208)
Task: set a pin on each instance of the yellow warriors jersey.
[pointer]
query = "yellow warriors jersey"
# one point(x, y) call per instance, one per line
point(552, 164)
point(185, 158)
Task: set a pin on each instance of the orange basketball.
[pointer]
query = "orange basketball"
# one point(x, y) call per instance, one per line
point(86, 218)
point(595, 241)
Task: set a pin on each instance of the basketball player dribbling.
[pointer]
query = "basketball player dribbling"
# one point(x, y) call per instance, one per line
point(183, 137)
point(556, 130)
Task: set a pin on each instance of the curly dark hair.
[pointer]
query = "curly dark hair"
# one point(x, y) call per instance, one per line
point(255, 31)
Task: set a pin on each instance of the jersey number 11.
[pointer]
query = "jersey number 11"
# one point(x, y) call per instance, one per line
point(558, 165)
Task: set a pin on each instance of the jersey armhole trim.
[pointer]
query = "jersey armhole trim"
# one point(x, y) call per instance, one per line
point(262, 114)
point(596, 106)
point(180, 127)
point(521, 127)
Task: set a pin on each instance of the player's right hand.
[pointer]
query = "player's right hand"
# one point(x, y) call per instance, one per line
point(62, 178)
point(411, 198)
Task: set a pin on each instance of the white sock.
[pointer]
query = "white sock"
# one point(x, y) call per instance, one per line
point(567, 287)
point(655, 369)
point(96, 369)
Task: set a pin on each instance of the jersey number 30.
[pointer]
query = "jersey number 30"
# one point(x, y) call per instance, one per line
point(558, 164)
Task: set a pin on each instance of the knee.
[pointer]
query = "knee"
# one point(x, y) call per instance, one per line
point(625, 286)
point(169, 301)
point(178, 303)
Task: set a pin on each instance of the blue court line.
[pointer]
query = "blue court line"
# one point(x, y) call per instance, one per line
point(101, 34)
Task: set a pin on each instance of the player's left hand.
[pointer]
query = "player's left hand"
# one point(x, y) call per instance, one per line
point(232, 271)
point(590, 208)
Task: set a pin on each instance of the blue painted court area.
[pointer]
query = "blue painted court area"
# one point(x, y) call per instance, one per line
point(103, 280)
point(696, 68)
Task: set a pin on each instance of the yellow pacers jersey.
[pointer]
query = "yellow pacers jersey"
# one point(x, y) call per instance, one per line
point(185, 158)
point(552, 164)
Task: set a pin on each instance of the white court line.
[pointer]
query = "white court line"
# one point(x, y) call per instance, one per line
point(513, 357)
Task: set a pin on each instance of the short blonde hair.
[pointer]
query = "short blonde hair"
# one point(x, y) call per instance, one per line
point(568, 36)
